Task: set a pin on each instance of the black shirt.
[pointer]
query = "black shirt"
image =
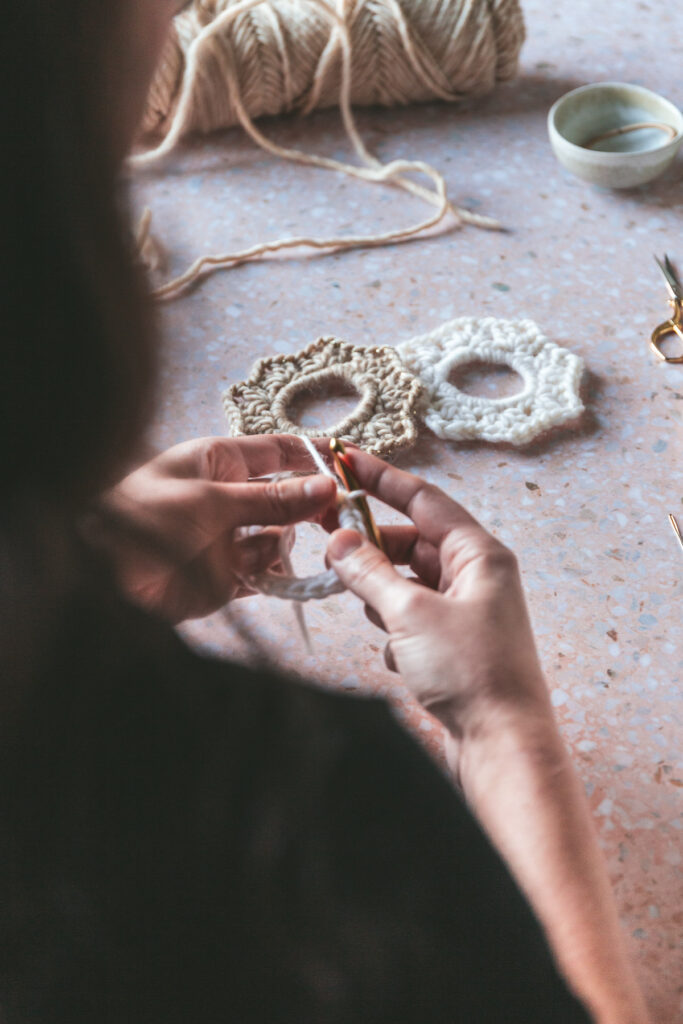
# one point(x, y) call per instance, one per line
point(187, 840)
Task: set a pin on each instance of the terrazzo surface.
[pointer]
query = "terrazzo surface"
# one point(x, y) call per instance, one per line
point(585, 508)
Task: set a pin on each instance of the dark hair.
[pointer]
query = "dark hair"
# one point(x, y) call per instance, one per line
point(78, 337)
point(78, 349)
point(172, 848)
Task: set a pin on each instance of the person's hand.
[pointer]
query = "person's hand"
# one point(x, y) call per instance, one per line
point(172, 526)
point(459, 634)
point(461, 639)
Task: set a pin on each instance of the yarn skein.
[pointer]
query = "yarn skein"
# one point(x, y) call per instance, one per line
point(229, 61)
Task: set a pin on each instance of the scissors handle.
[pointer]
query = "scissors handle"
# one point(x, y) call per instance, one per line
point(669, 327)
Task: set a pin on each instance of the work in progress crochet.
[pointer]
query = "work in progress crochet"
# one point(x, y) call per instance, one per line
point(324, 584)
point(396, 388)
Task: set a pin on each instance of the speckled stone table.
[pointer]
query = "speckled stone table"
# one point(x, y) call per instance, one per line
point(585, 509)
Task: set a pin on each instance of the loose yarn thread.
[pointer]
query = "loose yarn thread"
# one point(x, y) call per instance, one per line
point(231, 60)
point(289, 587)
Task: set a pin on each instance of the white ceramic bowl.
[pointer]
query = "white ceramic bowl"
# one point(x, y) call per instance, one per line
point(583, 117)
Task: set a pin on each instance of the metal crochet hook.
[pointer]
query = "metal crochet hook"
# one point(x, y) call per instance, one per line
point(675, 324)
point(348, 478)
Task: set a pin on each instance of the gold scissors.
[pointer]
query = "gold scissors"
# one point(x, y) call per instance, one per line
point(348, 478)
point(675, 324)
point(676, 529)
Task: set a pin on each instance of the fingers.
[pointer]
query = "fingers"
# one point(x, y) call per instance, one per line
point(203, 458)
point(399, 543)
point(433, 512)
point(462, 543)
point(278, 502)
point(222, 572)
point(262, 455)
point(389, 659)
point(375, 618)
point(330, 519)
point(369, 574)
point(227, 459)
point(404, 546)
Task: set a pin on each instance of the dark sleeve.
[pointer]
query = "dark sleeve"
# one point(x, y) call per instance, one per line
point(371, 893)
point(184, 840)
point(458, 940)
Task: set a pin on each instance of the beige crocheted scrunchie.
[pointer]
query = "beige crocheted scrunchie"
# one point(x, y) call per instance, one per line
point(383, 420)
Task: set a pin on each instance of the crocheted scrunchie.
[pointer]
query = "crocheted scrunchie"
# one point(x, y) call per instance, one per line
point(551, 375)
point(392, 396)
point(383, 420)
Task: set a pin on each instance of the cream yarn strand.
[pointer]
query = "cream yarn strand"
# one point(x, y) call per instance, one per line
point(314, 588)
point(211, 95)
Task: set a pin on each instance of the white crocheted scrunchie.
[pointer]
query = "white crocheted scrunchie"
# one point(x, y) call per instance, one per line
point(382, 422)
point(551, 376)
point(324, 584)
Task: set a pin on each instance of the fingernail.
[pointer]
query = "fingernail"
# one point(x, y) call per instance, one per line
point(342, 543)
point(317, 487)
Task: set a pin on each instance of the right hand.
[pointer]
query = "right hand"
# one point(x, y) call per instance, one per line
point(463, 644)
point(462, 640)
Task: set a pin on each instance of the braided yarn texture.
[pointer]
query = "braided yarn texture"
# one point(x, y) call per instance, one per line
point(231, 61)
point(382, 422)
point(276, 56)
point(551, 375)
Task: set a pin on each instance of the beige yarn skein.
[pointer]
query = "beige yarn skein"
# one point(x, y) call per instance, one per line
point(286, 55)
point(230, 61)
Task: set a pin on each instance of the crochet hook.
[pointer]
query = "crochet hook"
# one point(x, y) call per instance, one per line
point(348, 478)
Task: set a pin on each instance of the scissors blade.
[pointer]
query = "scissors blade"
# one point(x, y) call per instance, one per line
point(673, 284)
point(676, 529)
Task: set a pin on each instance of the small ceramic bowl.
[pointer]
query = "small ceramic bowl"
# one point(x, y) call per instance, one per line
point(615, 135)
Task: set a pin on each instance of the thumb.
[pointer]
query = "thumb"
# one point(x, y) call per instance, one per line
point(368, 573)
point(277, 502)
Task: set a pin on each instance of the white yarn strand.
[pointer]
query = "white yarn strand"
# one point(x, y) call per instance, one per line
point(293, 588)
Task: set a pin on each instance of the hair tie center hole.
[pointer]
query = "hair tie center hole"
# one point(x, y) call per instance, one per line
point(486, 380)
point(323, 404)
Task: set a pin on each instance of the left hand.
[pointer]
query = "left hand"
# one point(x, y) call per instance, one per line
point(170, 526)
